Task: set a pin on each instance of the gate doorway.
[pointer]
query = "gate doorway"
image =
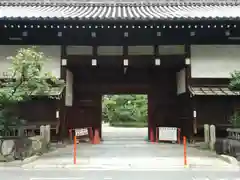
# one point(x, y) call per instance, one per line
point(124, 117)
point(110, 77)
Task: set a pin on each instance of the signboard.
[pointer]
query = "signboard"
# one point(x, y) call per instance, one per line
point(168, 133)
point(81, 132)
point(69, 89)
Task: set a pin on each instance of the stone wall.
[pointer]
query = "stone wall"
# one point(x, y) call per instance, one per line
point(21, 147)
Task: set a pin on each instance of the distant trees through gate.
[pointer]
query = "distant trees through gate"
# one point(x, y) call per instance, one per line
point(125, 110)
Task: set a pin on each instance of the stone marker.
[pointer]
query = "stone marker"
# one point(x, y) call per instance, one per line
point(42, 131)
point(20, 131)
point(48, 130)
point(206, 133)
point(212, 136)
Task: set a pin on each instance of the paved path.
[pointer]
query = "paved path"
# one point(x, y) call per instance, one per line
point(16, 174)
point(125, 149)
point(124, 155)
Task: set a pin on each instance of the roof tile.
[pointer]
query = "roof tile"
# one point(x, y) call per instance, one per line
point(114, 10)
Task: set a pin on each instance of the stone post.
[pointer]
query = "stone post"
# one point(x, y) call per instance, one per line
point(44, 135)
point(42, 132)
point(206, 133)
point(212, 136)
point(20, 132)
point(48, 131)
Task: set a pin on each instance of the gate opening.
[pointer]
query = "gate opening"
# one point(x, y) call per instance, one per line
point(125, 117)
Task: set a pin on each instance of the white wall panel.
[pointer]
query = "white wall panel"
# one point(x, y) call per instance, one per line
point(79, 50)
point(140, 50)
point(214, 61)
point(181, 81)
point(171, 49)
point(69, 89)
point(110, 50)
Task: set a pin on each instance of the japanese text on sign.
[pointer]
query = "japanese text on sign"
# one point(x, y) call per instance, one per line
point(81, 132)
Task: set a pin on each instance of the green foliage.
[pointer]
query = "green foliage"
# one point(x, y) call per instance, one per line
point(235, 80)
point(235, 85)
point(136, 124)
point(24, 78)
point(235, 120)
point(125, 108)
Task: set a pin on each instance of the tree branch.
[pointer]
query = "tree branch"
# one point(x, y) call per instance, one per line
point(17, 86)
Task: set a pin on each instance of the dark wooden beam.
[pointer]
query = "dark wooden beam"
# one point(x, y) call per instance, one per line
point(112, 33)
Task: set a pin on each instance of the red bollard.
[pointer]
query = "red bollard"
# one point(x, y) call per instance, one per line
point(151, 135)
point(96, 138)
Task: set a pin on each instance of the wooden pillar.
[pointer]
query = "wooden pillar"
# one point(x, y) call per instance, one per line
point(151, 125)
point(97, 96)
point(188, 65)
point(63, 131)
point(149, 115)
point(194, 115)
point(191, 100)
point(152, 133)
point(100, 114)
point(100, 132)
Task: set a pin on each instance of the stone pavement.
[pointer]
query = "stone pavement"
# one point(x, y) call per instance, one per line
point(56, 174)
point(125, 149)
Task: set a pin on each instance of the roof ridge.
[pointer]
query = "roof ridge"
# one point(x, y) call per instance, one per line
point(118, 11)
point(114, 3)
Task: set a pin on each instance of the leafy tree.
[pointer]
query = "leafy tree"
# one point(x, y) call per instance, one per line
point(24, 79)
point(235, 85)
point(235, 120)
point(235, 80)
point(125, 108)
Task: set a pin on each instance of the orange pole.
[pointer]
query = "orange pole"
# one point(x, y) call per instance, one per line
point(75, 150)
point(185, 150)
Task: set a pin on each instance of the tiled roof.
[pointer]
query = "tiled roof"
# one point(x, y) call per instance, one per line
point(116, 10)
point(76, 2)
point(213, 91)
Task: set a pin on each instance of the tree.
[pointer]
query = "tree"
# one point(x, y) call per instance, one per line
point(24, 79)
point(235, 85)
point(235, 80)
point(125, 108)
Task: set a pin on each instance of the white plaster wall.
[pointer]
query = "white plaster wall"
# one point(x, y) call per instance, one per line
point(110, 50)
point(140, 50)
point(171, 49)
point(79, 50)
point(69, 88)
point(181, 81)
point(53, 53)
point(214, 61)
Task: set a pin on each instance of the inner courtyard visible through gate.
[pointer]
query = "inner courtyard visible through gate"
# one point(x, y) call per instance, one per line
point(124, 110)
